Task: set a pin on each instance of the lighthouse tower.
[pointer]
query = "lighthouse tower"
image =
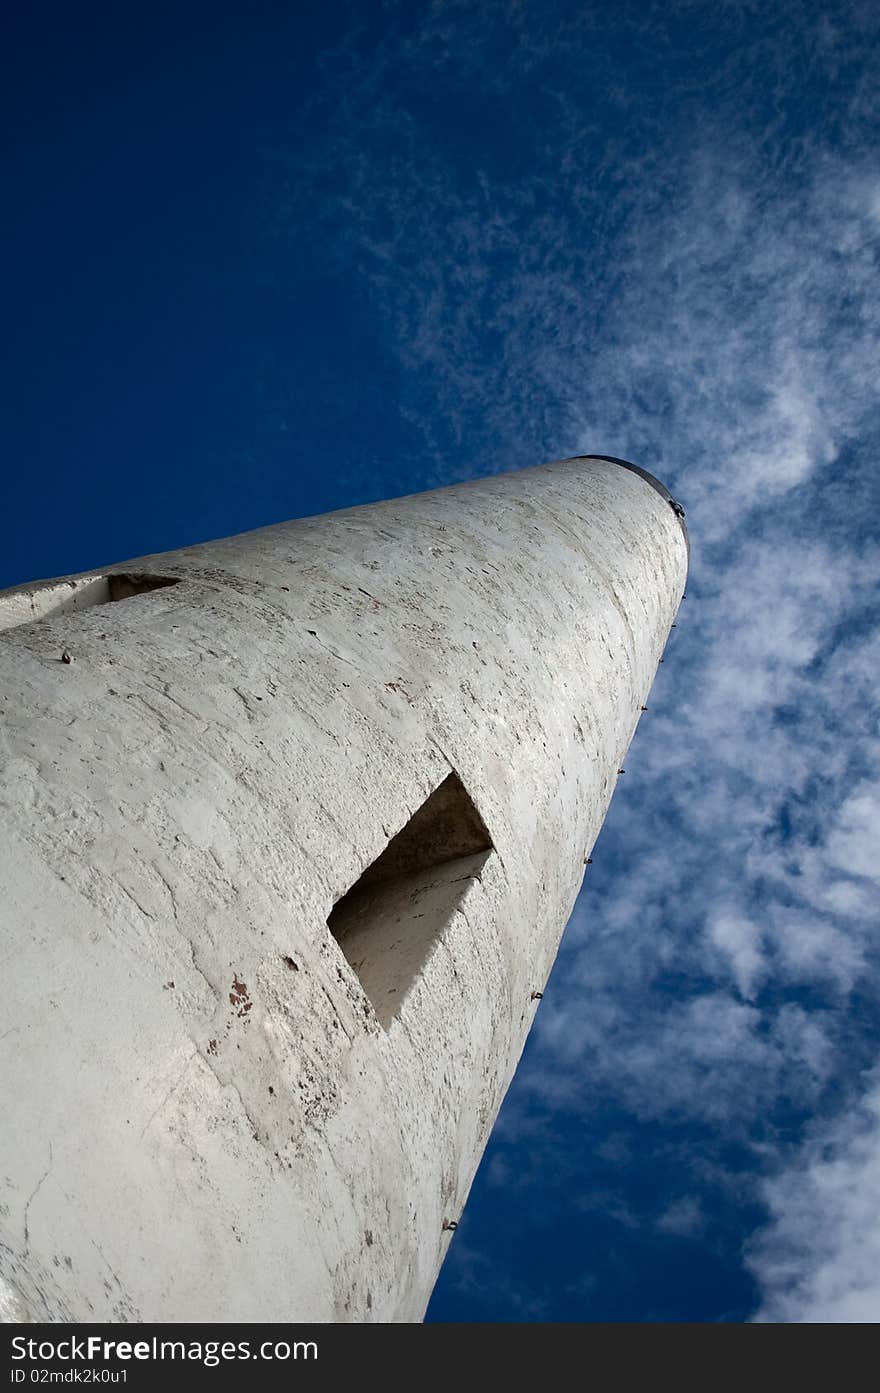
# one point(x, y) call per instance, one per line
point(290, 827)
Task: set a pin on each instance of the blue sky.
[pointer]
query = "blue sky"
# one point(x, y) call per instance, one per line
point(269, 260)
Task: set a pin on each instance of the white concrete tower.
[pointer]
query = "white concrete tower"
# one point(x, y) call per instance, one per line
point(291, 826)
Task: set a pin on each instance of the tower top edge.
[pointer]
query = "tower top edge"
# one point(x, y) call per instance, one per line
point(649, 479)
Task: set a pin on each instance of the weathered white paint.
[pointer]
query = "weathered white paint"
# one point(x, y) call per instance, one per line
point(204, 1118)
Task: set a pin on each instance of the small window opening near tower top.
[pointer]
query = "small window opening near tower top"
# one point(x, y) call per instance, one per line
point(33, 602)
point(390, 919)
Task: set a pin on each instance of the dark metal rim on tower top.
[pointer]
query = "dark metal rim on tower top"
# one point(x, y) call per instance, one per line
point(649, 479)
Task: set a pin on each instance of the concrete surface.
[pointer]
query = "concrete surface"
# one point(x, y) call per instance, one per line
point(217, 1105)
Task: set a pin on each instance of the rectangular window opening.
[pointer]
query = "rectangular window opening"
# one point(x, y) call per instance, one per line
point(388, 922)
point(29, 603)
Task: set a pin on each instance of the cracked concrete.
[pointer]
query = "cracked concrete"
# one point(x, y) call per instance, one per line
point(182, 805)
point(32, 1196)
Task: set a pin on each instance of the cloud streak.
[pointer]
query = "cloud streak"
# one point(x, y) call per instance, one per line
point(819, 1258)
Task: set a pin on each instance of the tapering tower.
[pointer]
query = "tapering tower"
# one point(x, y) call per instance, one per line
point(291, 826)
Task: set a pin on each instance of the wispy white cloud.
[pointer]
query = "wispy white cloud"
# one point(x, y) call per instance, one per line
point(739, 941)
point(683, 1217)
point(852, 845)
point(819, 1258)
